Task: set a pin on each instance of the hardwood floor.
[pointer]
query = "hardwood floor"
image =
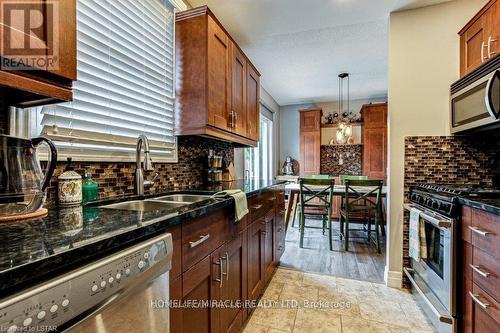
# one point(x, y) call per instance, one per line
point(362, 262)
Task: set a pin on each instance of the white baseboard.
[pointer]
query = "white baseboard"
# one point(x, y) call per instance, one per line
point(393, 279)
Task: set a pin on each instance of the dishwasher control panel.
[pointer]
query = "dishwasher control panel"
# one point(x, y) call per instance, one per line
point(53, 305)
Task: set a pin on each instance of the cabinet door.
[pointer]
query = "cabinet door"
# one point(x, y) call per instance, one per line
point(238, 113)
point(492, 35)
point(219, 80)
point(16, 41)
point(252, 103)
point(375, 153)
point(310, 144)
point(255, 259)
point(66, 39)
point(199, 284)
point(269, 223)
point(235, 286)
point(472, 48)
point(310, 120)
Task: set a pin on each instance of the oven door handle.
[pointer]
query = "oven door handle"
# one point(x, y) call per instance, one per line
point(439, 223)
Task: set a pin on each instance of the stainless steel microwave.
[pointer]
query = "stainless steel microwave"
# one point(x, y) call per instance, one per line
point(477, 105)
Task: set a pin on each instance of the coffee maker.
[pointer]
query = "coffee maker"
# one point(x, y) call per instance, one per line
point(288, 166)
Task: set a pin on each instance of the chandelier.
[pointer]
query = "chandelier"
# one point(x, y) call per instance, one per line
point(344, 129)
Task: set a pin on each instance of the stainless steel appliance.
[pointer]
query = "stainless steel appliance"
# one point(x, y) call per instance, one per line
point(124, 292)
point(475, 99)
point(22, 182)
point(288, 166)
point(434, 278)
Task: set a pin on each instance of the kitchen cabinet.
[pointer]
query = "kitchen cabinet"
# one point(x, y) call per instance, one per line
point(480, 268)
point(480, 38)
point(42, 83)
point(375, 140)
point(217, 87)
point(233, 263)
point(255, 257)
point(310, 141)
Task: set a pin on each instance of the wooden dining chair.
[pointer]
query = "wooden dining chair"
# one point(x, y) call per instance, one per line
point(313, 176)
point(316, 202)
point(367, 202)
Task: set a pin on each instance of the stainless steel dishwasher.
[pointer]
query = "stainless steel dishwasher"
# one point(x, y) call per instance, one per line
point(124, 292)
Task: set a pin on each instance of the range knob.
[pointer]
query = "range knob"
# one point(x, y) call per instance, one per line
point(12, 329)
point(140, 264)
point(111, 279)
point(118, 276)
point(65, 303)
point(94, 288)
point(103, 284)
point(54, 308)
point(127, 271)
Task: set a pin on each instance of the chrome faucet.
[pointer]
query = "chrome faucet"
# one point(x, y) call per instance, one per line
point(147, 165)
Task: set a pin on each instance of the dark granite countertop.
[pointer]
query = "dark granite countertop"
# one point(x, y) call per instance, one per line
point(491, 205)
point(35, 250)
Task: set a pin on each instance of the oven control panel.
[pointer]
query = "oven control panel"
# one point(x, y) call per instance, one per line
point(55, 303)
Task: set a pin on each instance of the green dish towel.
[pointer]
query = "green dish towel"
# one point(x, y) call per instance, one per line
point(240, 201)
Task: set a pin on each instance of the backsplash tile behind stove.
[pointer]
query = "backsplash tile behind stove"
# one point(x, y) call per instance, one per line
point(445, 160)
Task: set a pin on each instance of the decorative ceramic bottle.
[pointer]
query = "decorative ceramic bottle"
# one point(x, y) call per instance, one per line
point(70, 186)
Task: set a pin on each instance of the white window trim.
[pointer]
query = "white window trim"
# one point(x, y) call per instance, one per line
point(21, 125)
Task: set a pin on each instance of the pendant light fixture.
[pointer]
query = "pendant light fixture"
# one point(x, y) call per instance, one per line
point(344, 130)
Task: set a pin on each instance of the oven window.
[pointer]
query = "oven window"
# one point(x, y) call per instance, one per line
point(470, 106)
point(434, 238)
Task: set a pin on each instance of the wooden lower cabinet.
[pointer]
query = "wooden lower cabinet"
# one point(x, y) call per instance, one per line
point(255, 259)
point(211, 293)
point(480, 262)
point(269, 232)
point(234, 289)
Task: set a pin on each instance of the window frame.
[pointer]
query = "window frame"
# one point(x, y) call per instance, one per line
point(25, 123)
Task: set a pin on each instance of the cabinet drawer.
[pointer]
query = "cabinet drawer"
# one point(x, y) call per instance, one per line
point(260, 205)
point(202, 236)
point(486, 271)
point(485, 302)
point(485, 232)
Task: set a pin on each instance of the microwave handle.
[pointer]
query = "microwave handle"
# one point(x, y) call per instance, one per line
point(488, 92)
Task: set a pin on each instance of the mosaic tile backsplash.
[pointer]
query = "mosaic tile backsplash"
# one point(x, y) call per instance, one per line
point(117, 178)
point(445, 160)
point(348, 164)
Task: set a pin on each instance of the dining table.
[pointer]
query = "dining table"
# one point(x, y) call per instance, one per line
point(338, 190)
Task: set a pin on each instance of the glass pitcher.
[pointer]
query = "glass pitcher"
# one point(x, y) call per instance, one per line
point(22, 181)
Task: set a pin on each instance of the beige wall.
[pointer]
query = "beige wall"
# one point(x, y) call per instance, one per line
point(423, 62)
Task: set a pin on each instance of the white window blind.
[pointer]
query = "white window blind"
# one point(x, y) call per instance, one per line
point(125, 85)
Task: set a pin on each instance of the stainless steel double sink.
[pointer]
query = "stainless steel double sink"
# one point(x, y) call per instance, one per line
point(164, 202)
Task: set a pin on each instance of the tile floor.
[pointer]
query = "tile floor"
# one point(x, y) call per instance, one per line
point(323, 303)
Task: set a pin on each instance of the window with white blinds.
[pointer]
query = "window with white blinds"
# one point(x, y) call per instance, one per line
point(125, 85)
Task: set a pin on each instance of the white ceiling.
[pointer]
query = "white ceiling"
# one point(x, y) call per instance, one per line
point(301, 46)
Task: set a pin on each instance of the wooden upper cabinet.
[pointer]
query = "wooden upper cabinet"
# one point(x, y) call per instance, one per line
point(219, 80)
point(215, 95)
point(310, 141)
point(252, 103)
point(375, 140)
point(51, 46)
point(479, 39)
point(238, 114)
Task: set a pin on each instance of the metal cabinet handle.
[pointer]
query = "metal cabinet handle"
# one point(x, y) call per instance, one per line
point(256, 207)
point(272, 198)
point(221, 273)
point(231, 123)
point(483, 45)
point(478, 270)
point(479, 231)
point(235, 121)
point(227, 266)
point(476, 299)
point(199, 241)
point(490, 40)
point(282, 212)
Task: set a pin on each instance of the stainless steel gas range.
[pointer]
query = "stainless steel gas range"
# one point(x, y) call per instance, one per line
point(433, 277)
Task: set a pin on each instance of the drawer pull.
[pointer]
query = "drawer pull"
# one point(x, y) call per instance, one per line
point(227, 267)
point(478, 270)
point(282, 212)
point(256, 207)
point(479, 231)
point(221, 273)
point(199, 241)
point(280, 248)
point(272, 198)
point(476, 299)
